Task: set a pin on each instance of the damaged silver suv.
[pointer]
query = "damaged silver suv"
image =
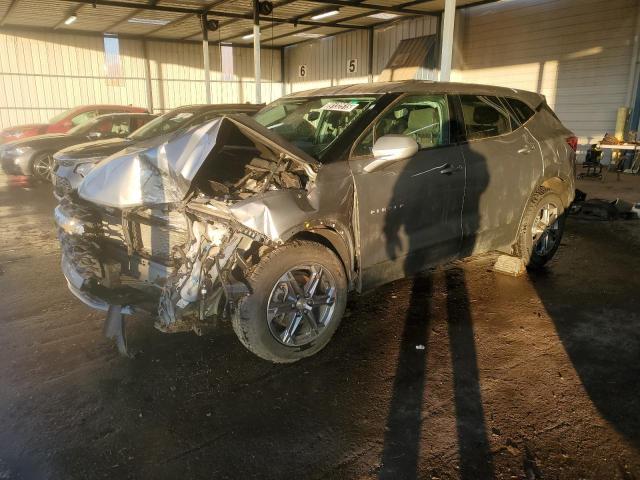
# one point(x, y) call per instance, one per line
point(270, 222)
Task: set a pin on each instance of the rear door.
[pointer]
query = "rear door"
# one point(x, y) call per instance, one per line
point(503, 165)
point(409, 211)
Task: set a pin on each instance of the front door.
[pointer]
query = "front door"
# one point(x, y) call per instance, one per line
point(409, 212)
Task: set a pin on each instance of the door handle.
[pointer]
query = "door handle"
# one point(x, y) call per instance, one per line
point(449, 169)
point(526, 150)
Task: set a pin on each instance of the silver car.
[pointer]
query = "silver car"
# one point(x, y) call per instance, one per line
point(270, 222)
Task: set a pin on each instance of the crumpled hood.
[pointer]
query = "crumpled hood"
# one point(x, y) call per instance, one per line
point(160, 170)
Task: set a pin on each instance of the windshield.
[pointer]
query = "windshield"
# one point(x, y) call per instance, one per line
point(312, 124)
point(59, 116)
point(167, 123)
point(85, 127)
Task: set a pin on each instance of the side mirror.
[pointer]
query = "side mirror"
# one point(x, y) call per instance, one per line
point(313, 115)
point(391, 148)
point(95, 135)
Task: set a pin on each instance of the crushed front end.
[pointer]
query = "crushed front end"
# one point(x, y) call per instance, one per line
point(149, 240)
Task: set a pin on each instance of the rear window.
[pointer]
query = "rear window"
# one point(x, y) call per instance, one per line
point(520, 110)
point(484, 116)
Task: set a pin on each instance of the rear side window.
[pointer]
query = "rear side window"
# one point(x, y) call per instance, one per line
point(484, 117)
point(520, 110)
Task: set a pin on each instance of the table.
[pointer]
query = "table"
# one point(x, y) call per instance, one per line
point(635, 166)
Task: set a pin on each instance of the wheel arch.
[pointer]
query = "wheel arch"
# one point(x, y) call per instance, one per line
point(558, 186)
point(554, 184)
point(334, 241)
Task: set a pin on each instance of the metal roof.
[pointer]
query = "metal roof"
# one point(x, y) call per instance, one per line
point(290, 22)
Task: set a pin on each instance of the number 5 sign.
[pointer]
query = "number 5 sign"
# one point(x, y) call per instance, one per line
point(302, 70)
point(352, 65)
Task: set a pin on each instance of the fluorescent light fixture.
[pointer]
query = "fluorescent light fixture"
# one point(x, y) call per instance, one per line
point(148, 21)
point(322, 15)
point(70, 20)
point(247, 37)
point(308, 35)
point(384, 15)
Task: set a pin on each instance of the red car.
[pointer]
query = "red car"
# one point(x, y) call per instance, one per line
point(64, 121)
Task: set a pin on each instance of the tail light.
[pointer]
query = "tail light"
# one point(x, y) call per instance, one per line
point(573, 143)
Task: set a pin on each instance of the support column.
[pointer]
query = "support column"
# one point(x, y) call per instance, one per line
point(147, 76)
point(283, 72)
point(205, 57)
point(370, 52)
point(446, 56)
point(256, 49)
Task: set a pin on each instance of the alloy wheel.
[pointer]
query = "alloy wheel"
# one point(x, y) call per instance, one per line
point(545, 229)
point(43, 167)
point(301, 305)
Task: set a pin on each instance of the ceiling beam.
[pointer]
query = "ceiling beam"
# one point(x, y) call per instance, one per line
point(369, 6)
point(414, 2)
point(215, 13)
point(21, 29)
point(311, 13)
point(207, 7)
point(352, 17)
point(128, 17)
point(247, 32)
point(231, 22)
point(10, 8)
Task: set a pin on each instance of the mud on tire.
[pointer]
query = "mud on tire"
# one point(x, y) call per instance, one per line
point(250, 320)
point(525, 247)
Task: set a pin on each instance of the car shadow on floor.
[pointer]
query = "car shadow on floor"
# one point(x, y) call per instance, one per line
point(598, 326)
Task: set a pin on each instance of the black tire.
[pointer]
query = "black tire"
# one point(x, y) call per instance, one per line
point(525, 243)
point(42, 167)
point(250, 322)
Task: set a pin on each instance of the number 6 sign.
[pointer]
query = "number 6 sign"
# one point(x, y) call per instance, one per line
point(302, 70)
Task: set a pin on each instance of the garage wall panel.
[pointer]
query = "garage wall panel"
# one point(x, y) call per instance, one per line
point(43, 74)
point(325, 60)
point(575, 52)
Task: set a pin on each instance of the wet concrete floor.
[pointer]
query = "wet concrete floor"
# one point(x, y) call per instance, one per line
point(461, 373)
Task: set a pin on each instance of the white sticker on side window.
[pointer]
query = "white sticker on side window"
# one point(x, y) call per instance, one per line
point(339, 106)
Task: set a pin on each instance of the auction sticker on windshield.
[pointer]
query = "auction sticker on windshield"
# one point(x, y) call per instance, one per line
point(339, 106)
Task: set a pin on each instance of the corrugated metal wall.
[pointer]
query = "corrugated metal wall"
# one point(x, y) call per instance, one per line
point(43, 74)
point(326, 60)
point(178, 79)
point(576, 52)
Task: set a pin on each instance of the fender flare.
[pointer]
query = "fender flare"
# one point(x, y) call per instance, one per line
point(333, 236)
point(555, 184)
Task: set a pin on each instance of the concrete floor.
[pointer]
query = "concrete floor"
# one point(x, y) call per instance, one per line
point(531, 377)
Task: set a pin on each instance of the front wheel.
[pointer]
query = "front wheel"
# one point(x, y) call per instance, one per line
point(299, 294)
point(542, 228)
point(43, 167)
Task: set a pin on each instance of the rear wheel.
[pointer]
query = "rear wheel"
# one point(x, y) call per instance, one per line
point(541, 229)
point(42, 167)
point(299, 296)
